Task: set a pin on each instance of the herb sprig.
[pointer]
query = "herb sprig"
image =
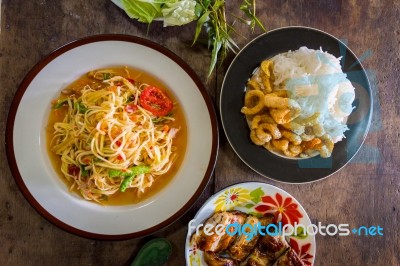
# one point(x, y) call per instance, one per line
point(210, 15)
point(212, 18)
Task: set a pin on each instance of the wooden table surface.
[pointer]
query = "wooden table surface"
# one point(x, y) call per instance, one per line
point(365, 192)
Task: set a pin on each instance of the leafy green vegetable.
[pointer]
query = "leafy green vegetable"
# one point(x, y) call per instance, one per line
point(210, 16)
point(143, 10)
point(177, 13)
point(128, 175)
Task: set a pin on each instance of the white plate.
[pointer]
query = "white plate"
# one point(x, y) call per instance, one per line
point(26, 140)
point(255, 198)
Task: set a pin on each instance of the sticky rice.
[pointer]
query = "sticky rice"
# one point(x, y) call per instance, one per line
point(317, 83)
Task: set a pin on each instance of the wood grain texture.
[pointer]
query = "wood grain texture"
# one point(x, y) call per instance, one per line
point(365, 192)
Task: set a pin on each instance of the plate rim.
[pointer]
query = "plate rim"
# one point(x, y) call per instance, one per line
point(256, 183)
point(38, 67)
point(370, 104)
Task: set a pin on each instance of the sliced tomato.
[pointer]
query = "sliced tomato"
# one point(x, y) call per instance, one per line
point(156, 101)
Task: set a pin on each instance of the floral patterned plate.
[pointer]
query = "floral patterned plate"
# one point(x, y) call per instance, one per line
point(258, 199)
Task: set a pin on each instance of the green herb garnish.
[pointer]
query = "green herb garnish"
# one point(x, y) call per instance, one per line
point(106, 76)
point(210, 16)
point(84, 172)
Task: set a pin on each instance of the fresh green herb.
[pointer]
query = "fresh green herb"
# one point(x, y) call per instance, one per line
point(213, 21)
point(60, 103)
point(249, 9)
point(128, 175)
point(84, 172)
point(81, 107)
point(106, 76)
point(131, 98)
point(210, 16)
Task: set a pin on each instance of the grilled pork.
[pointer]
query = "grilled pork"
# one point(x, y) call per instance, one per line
point(289, 258)
point(213, 259)
point(267, 251)
point(226, 250)
point(242, 246)
point(215, 242)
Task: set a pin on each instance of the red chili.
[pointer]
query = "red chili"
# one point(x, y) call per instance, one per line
point(131, 80)
point(156, 101)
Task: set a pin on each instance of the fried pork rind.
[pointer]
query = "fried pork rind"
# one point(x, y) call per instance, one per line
point(292, 137)
point(264, 118)
point(275, 119)
point(256, 140)
point(268, 129)
point(266, 74)
point(250, 96)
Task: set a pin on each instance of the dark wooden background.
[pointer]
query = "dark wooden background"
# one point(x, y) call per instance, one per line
point(365, 192)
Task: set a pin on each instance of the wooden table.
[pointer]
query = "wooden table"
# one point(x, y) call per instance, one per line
point(365, 192)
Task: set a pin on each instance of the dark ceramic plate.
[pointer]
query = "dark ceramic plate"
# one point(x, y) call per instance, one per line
point(235, 126)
